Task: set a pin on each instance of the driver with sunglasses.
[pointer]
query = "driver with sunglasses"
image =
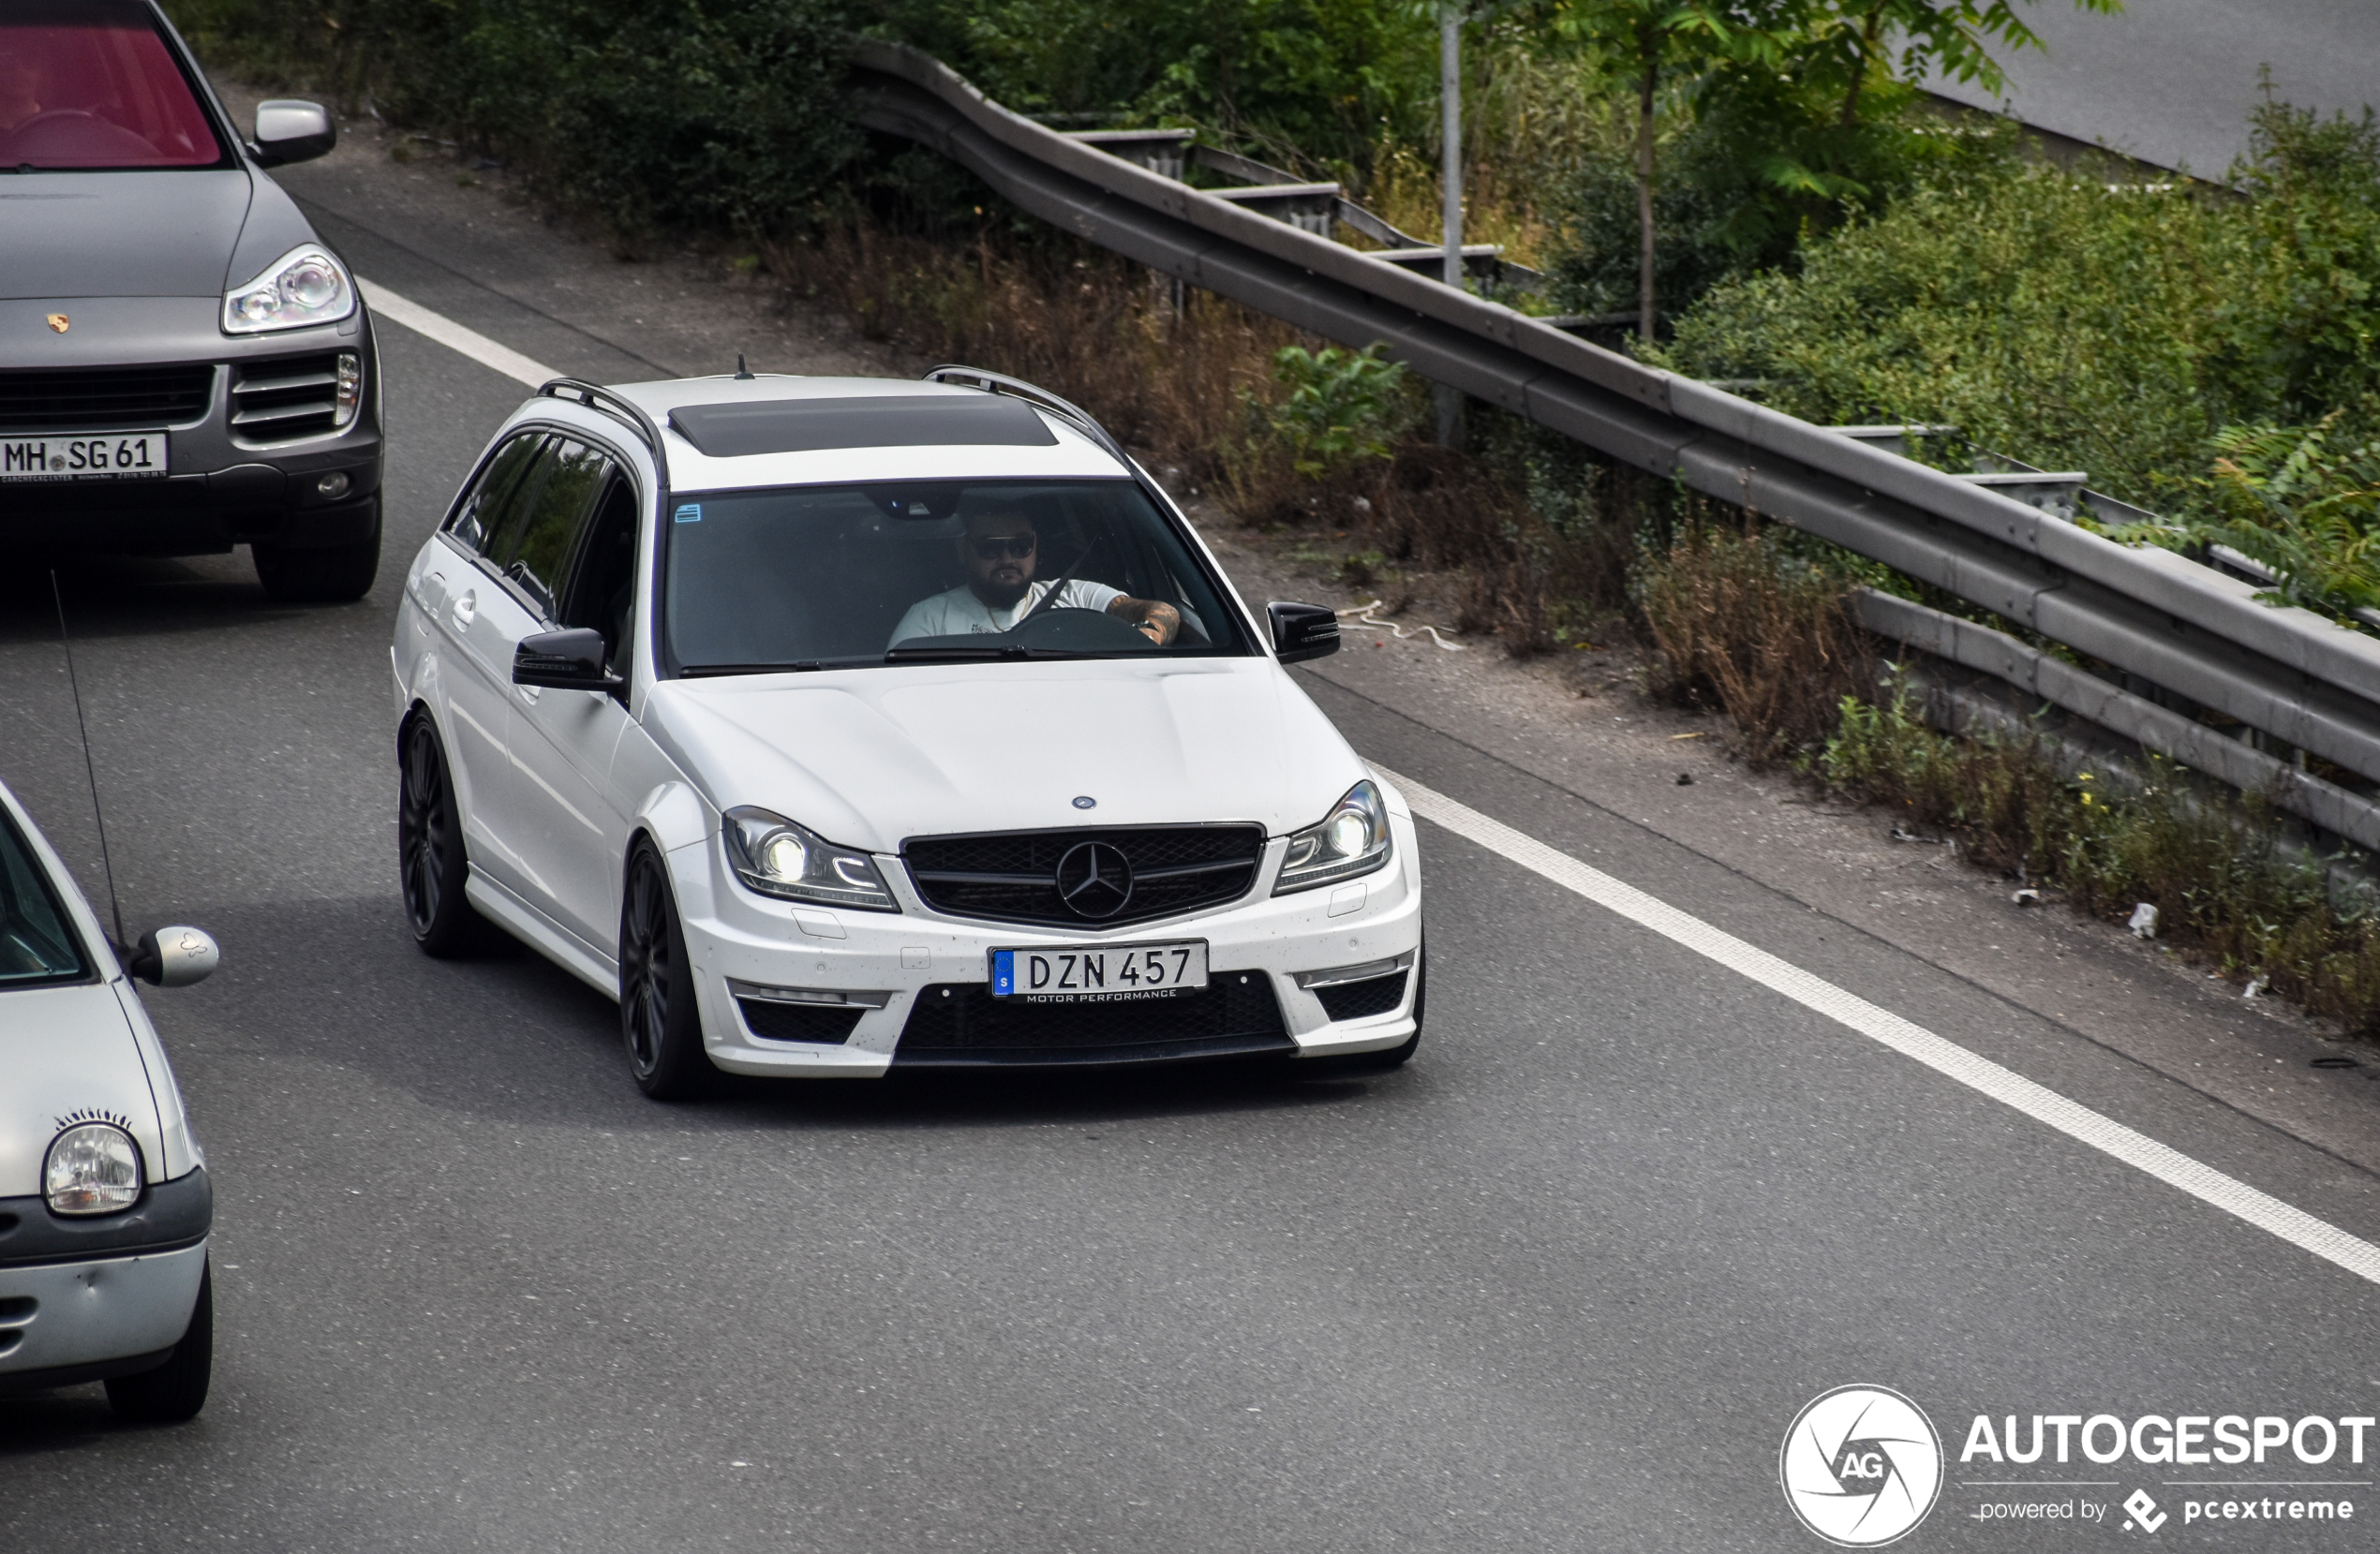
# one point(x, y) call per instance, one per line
point(999, 550)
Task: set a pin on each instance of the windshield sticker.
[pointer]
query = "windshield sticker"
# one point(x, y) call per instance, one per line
point(689, 512)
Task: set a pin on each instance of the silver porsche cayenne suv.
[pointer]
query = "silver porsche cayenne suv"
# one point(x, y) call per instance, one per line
point(185, 365)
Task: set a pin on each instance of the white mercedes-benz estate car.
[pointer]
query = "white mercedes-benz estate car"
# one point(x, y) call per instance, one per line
point(840, 725)
point(105, 1205)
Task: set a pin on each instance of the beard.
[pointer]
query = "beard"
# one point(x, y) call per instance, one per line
point(1000, 596)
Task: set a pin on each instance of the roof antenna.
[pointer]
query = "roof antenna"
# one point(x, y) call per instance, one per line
point(741, 371)
point(114, 907)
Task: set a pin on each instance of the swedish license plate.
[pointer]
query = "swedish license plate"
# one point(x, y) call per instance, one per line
point(84, 457)
point(1101, 973)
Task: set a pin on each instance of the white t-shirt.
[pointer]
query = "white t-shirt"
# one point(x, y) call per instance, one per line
point(959, 612)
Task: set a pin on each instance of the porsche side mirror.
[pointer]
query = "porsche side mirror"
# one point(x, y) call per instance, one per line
point(288, 130)
point(174, 958)
point(564, 661)
point(1301, 632)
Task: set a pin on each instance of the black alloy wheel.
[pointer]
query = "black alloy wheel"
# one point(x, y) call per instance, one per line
point(658, 1019)
point(177, 1389)
point(320, 574)
point(429, 848)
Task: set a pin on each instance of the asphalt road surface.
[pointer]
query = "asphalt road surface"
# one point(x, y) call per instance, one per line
point(1561, 1284)
point(2172, 81)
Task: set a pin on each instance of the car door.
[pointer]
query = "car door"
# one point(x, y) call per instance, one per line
point(562, 741)
point(462, 598)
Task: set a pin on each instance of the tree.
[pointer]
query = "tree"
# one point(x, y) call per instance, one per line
point(1648, 41)
point(1849, 42)
point(1843, 45)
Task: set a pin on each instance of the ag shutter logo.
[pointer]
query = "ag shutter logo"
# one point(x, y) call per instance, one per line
point(1861, 1466)
point(2144, 1511)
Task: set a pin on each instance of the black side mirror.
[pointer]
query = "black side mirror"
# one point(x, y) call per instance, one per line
point(288, 130)
point(1303, 631)
point(564, 661)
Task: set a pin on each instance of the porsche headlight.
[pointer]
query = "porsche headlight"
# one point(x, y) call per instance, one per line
point(93, 1168)
point(1352, 840)
point(304, 286)
point(776, 857)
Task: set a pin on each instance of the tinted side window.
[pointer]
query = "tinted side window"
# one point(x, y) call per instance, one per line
point(482, 512)
point(535, 543)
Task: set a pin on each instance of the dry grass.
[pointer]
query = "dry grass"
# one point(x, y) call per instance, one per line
point(1763, 635)
point(1096, 328)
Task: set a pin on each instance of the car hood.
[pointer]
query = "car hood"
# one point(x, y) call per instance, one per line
point(868, 758)
point(121, 234)
point(69, 1055)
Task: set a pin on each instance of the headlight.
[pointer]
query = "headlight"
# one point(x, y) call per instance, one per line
point(304, 286)
point(776, 857)
point(1352, 840)
point(93, 1168)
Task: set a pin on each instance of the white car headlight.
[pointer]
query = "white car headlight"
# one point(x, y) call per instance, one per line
point(304, 286)
point(776, 857)
point(93, 1168)
point(1352, 840)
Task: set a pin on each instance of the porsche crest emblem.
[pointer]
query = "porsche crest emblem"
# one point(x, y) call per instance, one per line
point(59, 323)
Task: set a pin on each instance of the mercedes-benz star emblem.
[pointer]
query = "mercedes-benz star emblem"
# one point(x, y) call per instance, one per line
point(1084, 801)
point(1094, 879)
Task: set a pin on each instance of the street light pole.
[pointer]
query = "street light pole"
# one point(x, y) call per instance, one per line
point(1450, 399)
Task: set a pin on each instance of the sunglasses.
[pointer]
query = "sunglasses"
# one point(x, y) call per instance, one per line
point(1018, 546)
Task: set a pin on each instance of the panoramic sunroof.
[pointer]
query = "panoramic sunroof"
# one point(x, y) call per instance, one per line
point(880, 420)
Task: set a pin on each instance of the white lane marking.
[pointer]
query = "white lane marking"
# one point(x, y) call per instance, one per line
point(446, 331)
point(2135, 1150)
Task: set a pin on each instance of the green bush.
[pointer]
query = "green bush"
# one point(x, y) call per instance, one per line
point(2229, 884)
point(716, 113)
point(1345, 408)
point(1316, 83)
point(2077, 319)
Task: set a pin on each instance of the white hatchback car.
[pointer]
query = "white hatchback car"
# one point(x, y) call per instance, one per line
point(105, 1205)
point(839, 725)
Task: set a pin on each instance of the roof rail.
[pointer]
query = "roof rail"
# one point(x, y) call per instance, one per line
point(1001, 383)
point(596, 397)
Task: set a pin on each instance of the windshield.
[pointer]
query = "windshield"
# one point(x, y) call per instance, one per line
point(37, 945)
point(91, 85)
point(807, 577)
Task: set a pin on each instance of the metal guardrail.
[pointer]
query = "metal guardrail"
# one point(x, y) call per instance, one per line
point(2180, 638)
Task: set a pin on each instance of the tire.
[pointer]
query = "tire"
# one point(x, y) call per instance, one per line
point(659, 1022)
point(431, 863)
point(327, 574)
point(176, 1390)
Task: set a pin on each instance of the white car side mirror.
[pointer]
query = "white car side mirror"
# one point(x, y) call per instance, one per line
point(174, 958)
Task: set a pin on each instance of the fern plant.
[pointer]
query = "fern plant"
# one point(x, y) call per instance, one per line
point(2306, 508)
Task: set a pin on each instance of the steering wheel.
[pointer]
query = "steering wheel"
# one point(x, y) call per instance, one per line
point(71, 135)
point(1072, 631)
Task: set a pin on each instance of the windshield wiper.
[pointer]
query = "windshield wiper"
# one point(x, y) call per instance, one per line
point(956, 654)
point(798, 666)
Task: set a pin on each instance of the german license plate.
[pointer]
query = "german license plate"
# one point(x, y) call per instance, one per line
point(1099, 973)
point(84, 457)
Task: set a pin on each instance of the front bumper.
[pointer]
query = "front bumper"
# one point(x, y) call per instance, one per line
point(884, 963)
point(230, 480)
point(63, 1322)
point(81, 1299)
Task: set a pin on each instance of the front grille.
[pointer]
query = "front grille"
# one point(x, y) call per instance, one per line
point(281, 401)
point(99, 399)
point(960, 1022)
point(1353, 1000)
point(799, 1022)
point(1013, 874)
